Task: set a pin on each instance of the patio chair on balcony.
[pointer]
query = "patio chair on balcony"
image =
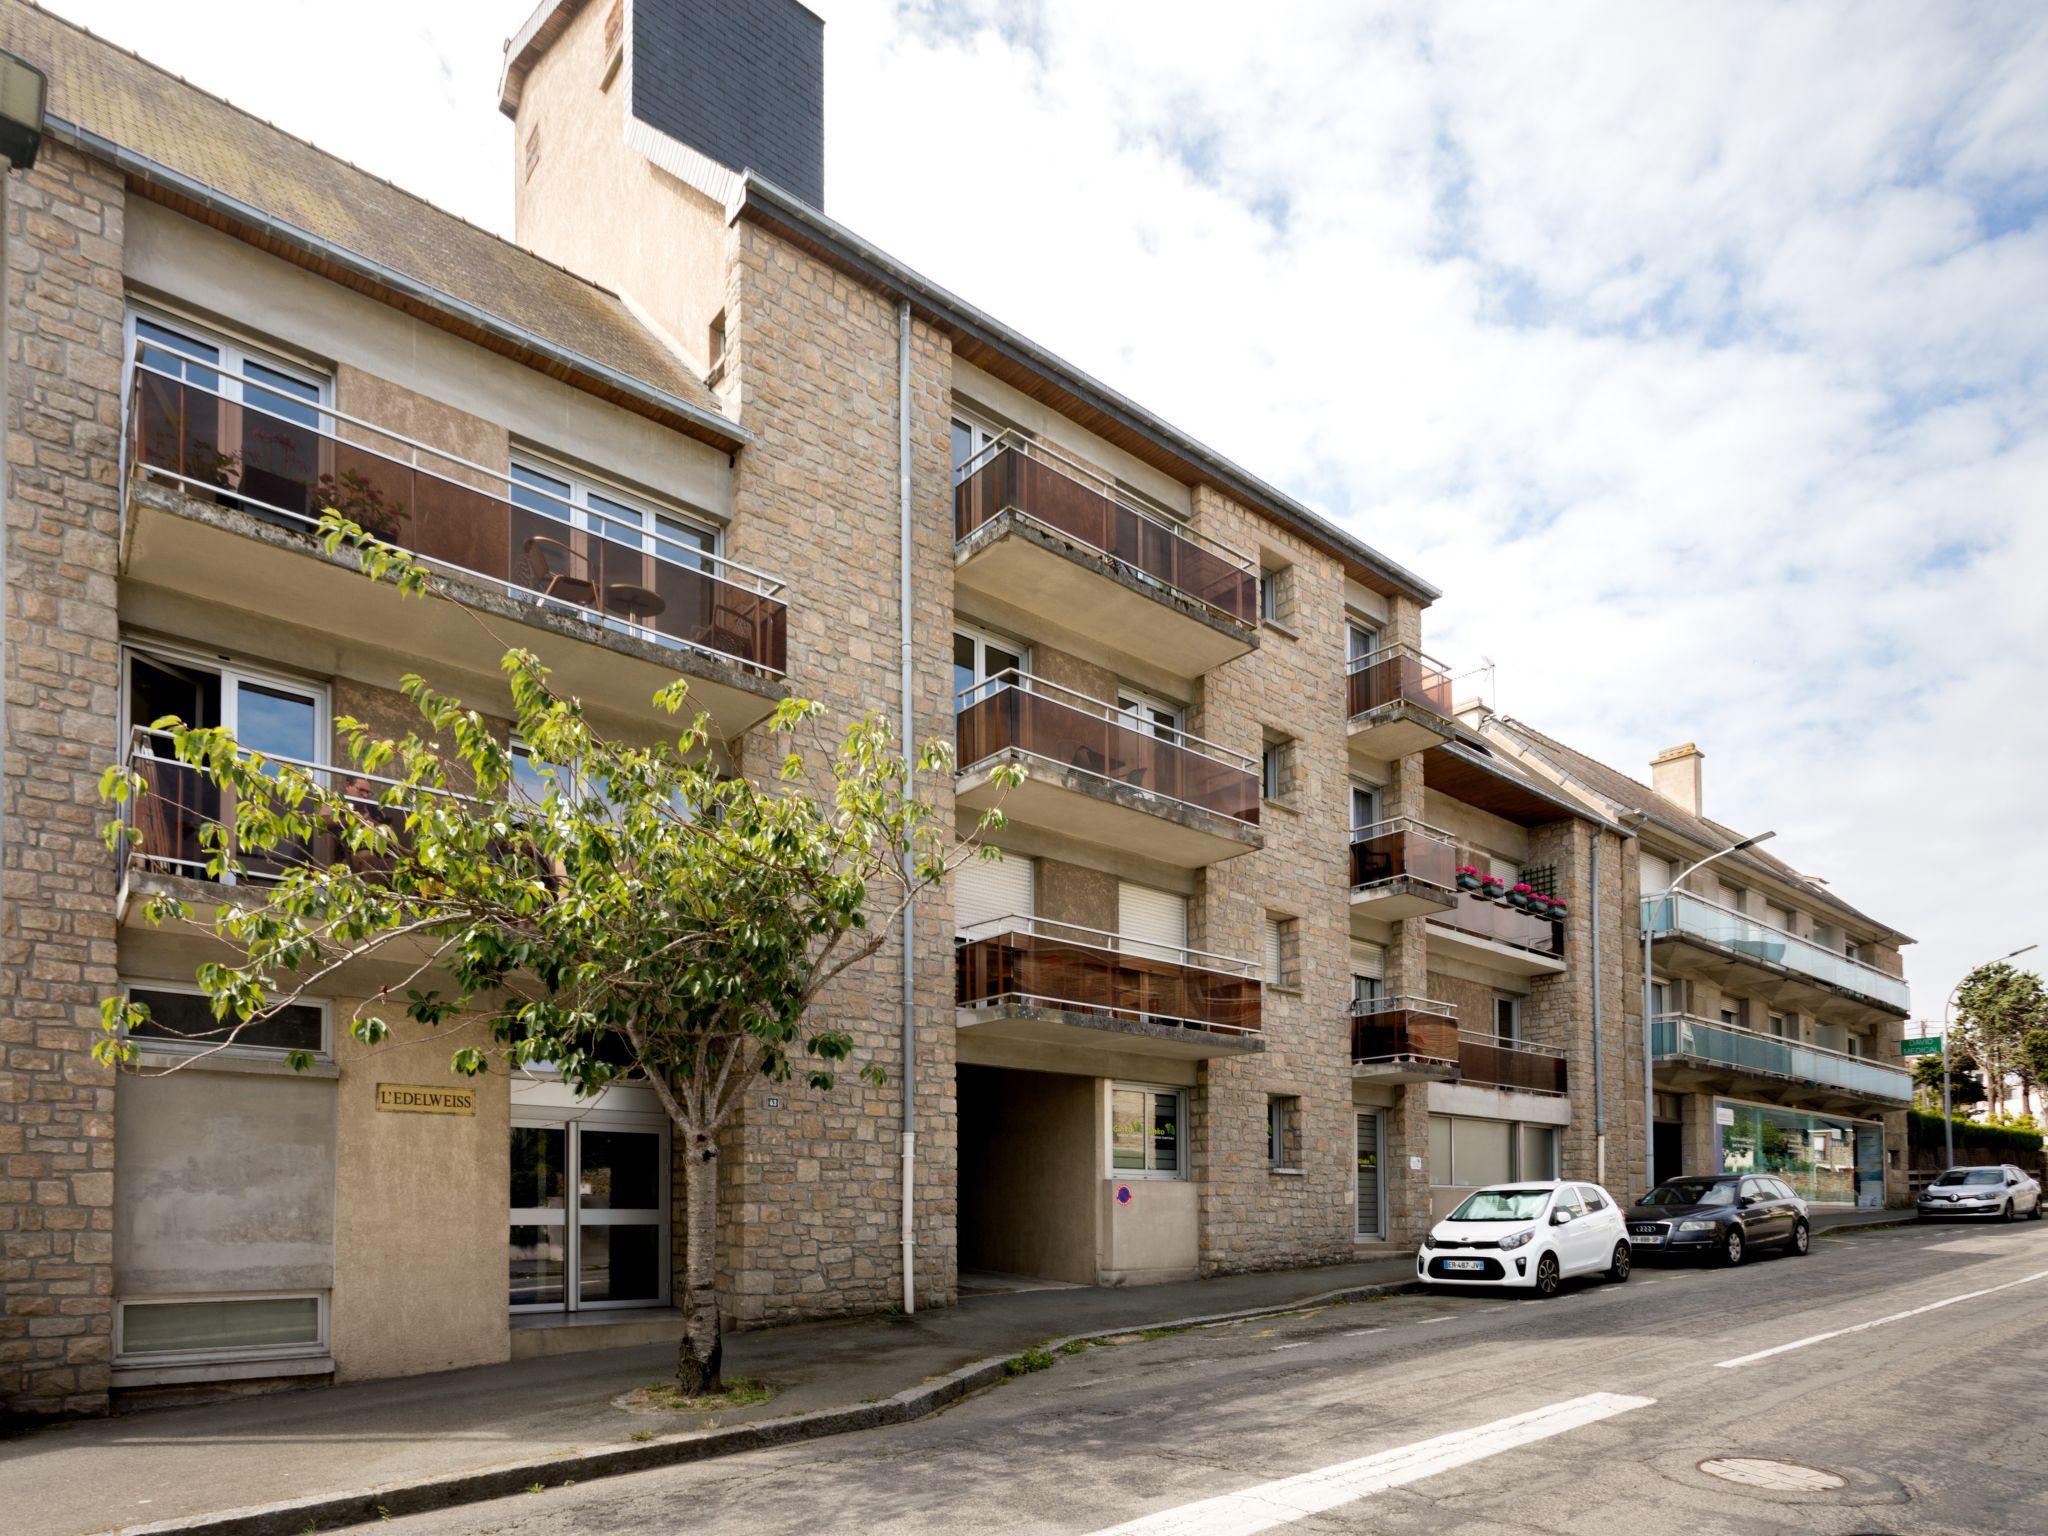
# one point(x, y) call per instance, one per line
point(559, 572)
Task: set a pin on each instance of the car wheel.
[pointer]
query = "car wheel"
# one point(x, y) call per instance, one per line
point(1802, 1238)
point(2035, 1213)
point(1731, 1247)
point(2006, 1214)
point(1618, 1270)
point(1547, 1276)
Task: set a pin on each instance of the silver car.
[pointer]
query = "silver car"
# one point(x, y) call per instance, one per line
point(1997, 1190)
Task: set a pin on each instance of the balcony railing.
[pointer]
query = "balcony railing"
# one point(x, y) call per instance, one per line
point(1396, 672)
point(1403, 1029)
point(1011, 712)
point(1682, 913)
point(1496, 1063)
point(1679, 1035)
point(1503, 924)
point(1085, 970)
point(283, 460)
point(1402, 847)
point(1042, 486)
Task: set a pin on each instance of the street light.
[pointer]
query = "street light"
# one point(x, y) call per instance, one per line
point(1948, 1126)
point(23, 91)
point(1649, 1042)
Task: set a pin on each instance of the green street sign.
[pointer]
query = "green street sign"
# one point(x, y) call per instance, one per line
point(1920, 1045)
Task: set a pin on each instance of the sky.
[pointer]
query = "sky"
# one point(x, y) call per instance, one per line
point(1695, 352)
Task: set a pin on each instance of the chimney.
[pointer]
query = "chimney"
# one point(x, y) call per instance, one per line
point(1675, 774)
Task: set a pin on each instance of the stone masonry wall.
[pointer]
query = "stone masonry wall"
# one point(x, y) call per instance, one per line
point(1407, 1161)
point(57, 947)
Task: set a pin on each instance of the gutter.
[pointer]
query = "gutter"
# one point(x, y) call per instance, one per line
point(144, 169)
point(948, 309)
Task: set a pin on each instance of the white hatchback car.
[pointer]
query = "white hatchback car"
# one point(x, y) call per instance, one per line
point(1531, 1233)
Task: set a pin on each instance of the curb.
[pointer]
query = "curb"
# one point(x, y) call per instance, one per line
point(1866, 1226)
point(356, 1506)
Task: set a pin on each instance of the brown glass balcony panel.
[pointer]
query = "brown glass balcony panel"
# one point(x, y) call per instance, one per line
point(1400, 1033)
point(1385, 678)
point(1502, 923)
point(1008, 719)
point(1011, 479)
point(1058, 974)
point(1494, 1065)
point(1402, 852)
point(289, 473)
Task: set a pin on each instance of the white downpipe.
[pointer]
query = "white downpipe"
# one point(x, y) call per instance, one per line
point(904, 745)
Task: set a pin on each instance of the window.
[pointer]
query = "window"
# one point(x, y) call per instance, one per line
point(1569, 1203)
point(1146, 1131)
point(182, 1019)
point(1595, 1201)
point(1273, 594)
point(1283, 951)
point(532, 151)
point(977, 657)
point(1663, 997)
point(1283, 1140)
point(1467, 1151)
point(589, 545)
point(1154, 717)
point(1360, 641)
point(1276, 769)
point(1736, 1017)
point(1732, 896)
point(971, 444)
point(167, 1330)
point(1152, 922)
point(1481, 1151)
point(1536, 1152)
point(988, 890)
point(1779, 917)
point(1507, 1017)
point(1775, 1025)
point(1365, 806)
point(1368, 971)
point(714, 341)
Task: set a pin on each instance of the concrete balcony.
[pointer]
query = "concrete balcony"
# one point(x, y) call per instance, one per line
point(1040, 535)
point(1696, 938)
point(1487, 1061)
point(1494, 934)
point(1398, 701)
point(1403, 1040)
point(1400, 868)
point(223, 501)
point(1692, 1054)
point(1026, 979)
point(1094, 772)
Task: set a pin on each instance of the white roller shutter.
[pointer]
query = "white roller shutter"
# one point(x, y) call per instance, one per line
point(1369, 960)
point(1152, 922)
point(1274, 956)
point(984, 889)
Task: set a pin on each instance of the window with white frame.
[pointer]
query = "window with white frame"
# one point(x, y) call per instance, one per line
point(979, 656)
point(609, 547)
point(170, 1330)
point(1360, 640)
point(182, 1019)
point(1146, 713)
point(1147, 1131)
point(1507, 1017)
point(1368, 971)
point(971, 442)
point(1365, 805)
point(1276, 768)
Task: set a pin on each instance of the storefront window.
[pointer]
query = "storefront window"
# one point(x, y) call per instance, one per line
point(1466, 1152)
point(1145, 1131)
point(1826, 1159)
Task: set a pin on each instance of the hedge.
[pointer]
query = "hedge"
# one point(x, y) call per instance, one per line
point(1925, 1130)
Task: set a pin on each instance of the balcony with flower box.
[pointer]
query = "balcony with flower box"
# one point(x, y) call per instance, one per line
point(1401, 867)
point(1498, 925)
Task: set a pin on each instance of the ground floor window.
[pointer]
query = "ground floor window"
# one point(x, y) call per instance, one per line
point(168, 1330)
point(1147, 1131)
point(1825, 1158)
point(1370, 1195)
point(1468, 1152)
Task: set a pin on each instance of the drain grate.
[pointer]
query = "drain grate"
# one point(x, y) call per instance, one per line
point(1776, 1476)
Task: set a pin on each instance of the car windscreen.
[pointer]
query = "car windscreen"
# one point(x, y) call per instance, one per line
point(1502, 1205)
point(1691, 1192)
point(1972, 1176)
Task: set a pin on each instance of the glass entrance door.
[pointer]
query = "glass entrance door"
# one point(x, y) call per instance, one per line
point(589, 1223)
point(1372, 1194)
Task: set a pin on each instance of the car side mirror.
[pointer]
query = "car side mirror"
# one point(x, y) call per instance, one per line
point(1747, 1201)
point(1559, 1218)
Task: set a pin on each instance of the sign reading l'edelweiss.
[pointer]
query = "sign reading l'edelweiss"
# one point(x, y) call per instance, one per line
point(422, 1099)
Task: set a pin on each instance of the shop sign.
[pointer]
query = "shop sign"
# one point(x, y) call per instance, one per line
point(1724, 1114)
point(424, 1099)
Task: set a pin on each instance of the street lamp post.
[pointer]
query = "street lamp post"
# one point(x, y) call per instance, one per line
point(1948, 1125)
point(1649, 1041)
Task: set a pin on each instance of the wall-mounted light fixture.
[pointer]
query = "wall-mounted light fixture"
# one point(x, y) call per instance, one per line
point(24, 90)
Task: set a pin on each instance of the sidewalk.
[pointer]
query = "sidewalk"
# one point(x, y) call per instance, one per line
point(162, 1464)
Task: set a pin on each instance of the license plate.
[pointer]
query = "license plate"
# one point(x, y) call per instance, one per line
point(1646, 1237)
point(1464, 1264)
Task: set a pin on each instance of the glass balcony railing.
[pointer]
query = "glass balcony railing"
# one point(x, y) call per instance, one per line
point(1402, 847)
point(1496, 1063)
point(205, 433)
point(1503, 924)
point(1013, 712)
point(1682, 1037)
point(1684, 914)
point(1084, 970)
point(1389, 1030)
point(1396, 672)
point(1027, 479)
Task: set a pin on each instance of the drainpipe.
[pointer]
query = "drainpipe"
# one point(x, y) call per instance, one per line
point(1599, 1088)
point(904, 745)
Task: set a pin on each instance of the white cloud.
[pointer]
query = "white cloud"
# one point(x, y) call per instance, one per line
point(1695, 351)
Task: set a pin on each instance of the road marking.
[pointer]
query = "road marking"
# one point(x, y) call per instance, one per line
point(1877, 1322)
point(1302, 1345)
point(1359, 1333)
point(1296, 1498)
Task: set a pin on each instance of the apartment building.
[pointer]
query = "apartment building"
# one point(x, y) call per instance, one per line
point(1281, 954)
point(1776, 1008)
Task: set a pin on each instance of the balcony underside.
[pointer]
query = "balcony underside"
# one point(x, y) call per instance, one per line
point(1688, 1074)
point(1412, 1069)
point(1104, 811)
point(1695, 958)
point(1510, 958)
point(1047, 1024)
point(224, 556)
point(1389, 901)
point(1104, 602)
point(1396, 729)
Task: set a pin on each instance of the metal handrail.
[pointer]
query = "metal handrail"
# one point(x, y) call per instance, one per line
point(1073, 469)
point(1785, 933)
point(1390, 824)
point(1367, 1007)
point(1501, 1042)
point(1050, 928)
point(1789, 1044)
point(1013, 677)
point(760, 583)
point(1394, 652)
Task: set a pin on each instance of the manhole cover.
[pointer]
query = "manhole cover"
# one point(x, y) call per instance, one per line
point(1777, 1476)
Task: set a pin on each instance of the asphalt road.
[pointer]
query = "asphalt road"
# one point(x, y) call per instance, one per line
point(1592, 1412)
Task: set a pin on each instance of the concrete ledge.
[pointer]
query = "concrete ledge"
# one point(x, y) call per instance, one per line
point(363, 1505)
point(537, 1334)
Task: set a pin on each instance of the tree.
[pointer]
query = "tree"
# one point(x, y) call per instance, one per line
point(1966, 1087)
point(632, 911)
point(1996, 1009)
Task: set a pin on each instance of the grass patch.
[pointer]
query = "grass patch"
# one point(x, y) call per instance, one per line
point(666, 1397)
point(1036, 1358)
point(1074, 1346)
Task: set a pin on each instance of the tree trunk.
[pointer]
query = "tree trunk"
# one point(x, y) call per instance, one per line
point(700, 1355)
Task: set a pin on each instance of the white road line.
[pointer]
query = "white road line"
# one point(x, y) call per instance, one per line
point(1359, 1333)
point(1302, 1345)
point(1296, 1498)
point(1877, 1322)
